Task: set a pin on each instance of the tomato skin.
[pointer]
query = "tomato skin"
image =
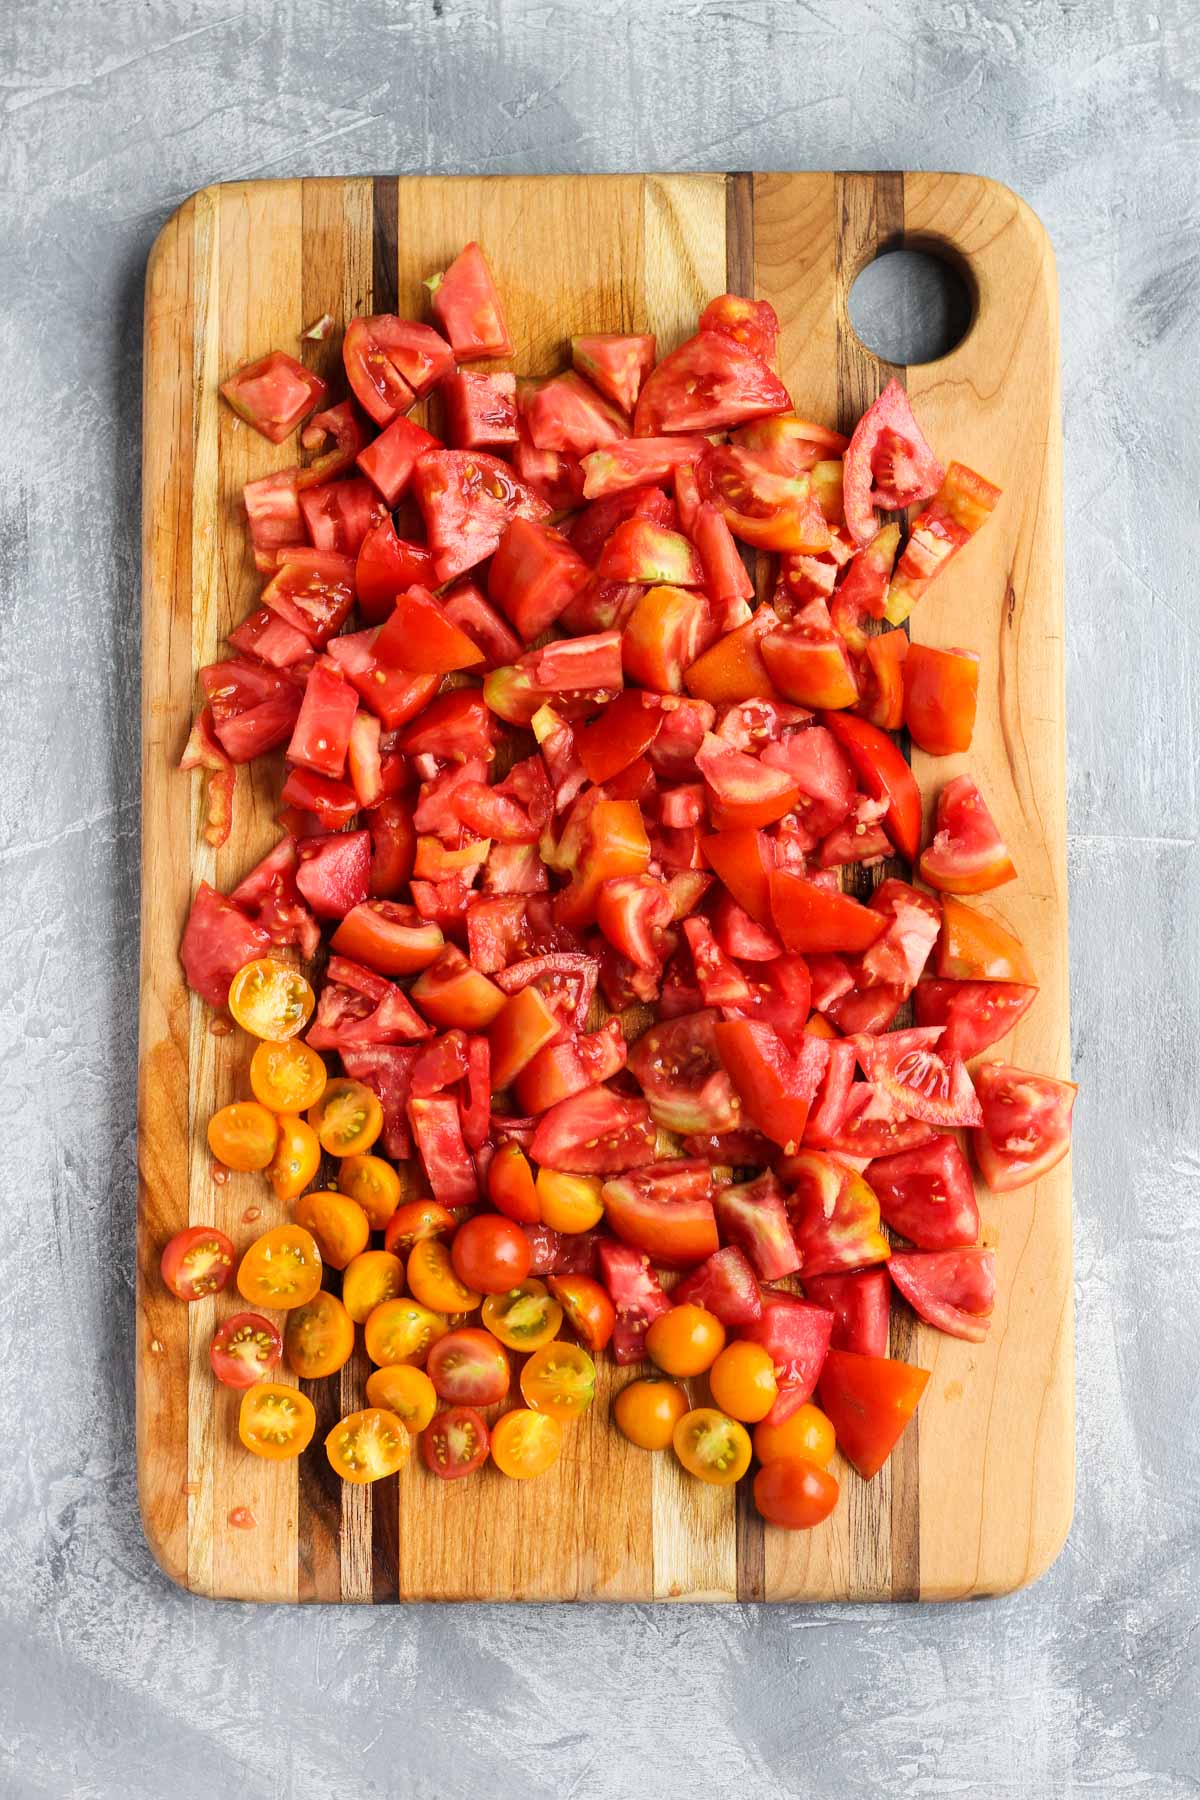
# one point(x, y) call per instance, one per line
point(712, 1446)
point(388, 938)
point(455, 1443)
point(647, 1412)
point(510, 1185)
point(589, 1311)
point(197, 1262)
point(490, 1253)
point(686, 1340)
point(368, 1445)
point(469, 1367)
point(281, 1269)
point(559, 1379)
point(319, 1337)
point(794, 1493)
point(806, 1432)
point(369, 1279)
point(243, 1135)
point(677, 1231)
point(811, 920)
point(245, 1348)
point(287, 1078)
point(276, 1422)
point(405, 1391)
point(525, 1443)
point(297, 1157)
point(742, 1381)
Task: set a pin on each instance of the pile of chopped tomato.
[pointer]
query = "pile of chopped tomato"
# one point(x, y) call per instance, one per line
point(606, 1055)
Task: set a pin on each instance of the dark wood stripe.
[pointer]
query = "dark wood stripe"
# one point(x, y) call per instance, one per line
point(385, 239)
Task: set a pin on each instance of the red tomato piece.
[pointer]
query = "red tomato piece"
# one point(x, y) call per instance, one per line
point(591, 528)
point(922, 1082)
point(386, 566)
point(975, 947)
point(725, 574)
point(467, 306)
point(641, 551)
point(202, 751)
point(437, 1133)
point(777, 1082)
point(517, 1033)
point(927, 1195)
point(615, 843)
point(810, 918)
point(567, 414)
point(963, 503)
point(682, 1077)
point(274, 394)
point(941, 688)
point(534, 574)
point(953, 1290)
point(334, 872)
point(271, 639)
point(478, 618)
point(796, 1336)
point(340, 514)
point(358, 1007)
point(860, 1303)
point(733, 669)
point(754, 324)
point(570, 665)
point(974, 1014)
point(743, 791)
point(562, 1069)
point(808, 663)
point(616, 363)
point(741, 858)
point(253, 708)
point(636, 1295)
point(791, 444)
point(710, 383)
point(197, 1262)
point(388, 938)
point(662, 635)
point(394, 696)
point(834, 1214)
point(761, 506)
point(273, 515)
point(633, 912)
point(864, 586)
point(450, 992)
point(565, 979)
point(887, 463)
point(590, 1313)
point(341, 423)
point(597, 1132)
point(386, 1069)
point(880, 675)
point(636, 461)
point(244, 1350)
point(753, 1215)
point(455, 1443)
point(623, 732)
point(721, 982)
point(884, 775)
point(334, 803)
point(1026, 1127)
point(480, 410)
point(389, 461)
point(469, 1367)
point(869, 1401)
point(468, 499)
point(269, 895)
point(375, 381)
point(510, 1186)
point(419, 636)
point(725, 1285)
point(321, 735)
point(967, 854)
point(312, 591)
point(672, 1231)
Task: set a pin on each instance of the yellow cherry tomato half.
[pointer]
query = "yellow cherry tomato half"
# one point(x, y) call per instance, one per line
point(276, 1421)
point(271, 1000)
point(743, 1381)
point(318, 1338)
point(402, 1331)
point(243, 1135)
point(569, 1202)
point(806, 1433)
point(281, 1269)
point(432, 1281)
point(647, 1412)
point(297, 1157)
point(685, 1341)
point(525, 1317)
point(338, 1224)
point(406, 1391)
point(374, 1184)
point(559, 1379)
point(369, 1279)
point(526, 1443)
point(713, 1446)
point(347, 1118)
point(366, 1446)
point(287, 1078)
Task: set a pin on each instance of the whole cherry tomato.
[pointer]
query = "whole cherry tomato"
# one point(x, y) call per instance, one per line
point(490, 1253)
point(794, 1493)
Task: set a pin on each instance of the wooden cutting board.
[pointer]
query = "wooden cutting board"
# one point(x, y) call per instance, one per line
point(978, 1497)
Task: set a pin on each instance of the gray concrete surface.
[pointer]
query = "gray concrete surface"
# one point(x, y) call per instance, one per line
point(111, 1682)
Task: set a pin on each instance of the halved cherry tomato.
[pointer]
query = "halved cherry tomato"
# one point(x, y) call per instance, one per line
point(805, 1432)
point(559, 1379)
point(569, 1202)
point(281, 1269)
point(297, 1157)
point(245, 1348)
point(794, 1493)
point(319, 1337)
point(525, 1443)
point(686, 1340)
point(967, 855)
point(369, 1279)
point(243, 1135)
point(416, 1219)
point(339, 1225)
point(347, 1118)
point(490, 1252)
point(287, 1078)
point(590, 1313)
point(647, 1412)
point(433, 1281)
point(276, 1422)
point(271, 1000)
point(405, 1391)
point(742, 1380)
point(402, 1331)
point(511, 1187)
point(455, 1443)
point(197, 1262)
point(525, 1317)
point(941, 688)
point(713, 1446)
point(367, 1445)
point(374, 1184)
point(469, 1368)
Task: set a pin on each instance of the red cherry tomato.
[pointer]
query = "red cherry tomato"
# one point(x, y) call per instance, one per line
point(197, 1262)
point(455, 1443)
point(245, 1350)
point(490, 1253)
point(469, 1367)
point(794, 1493)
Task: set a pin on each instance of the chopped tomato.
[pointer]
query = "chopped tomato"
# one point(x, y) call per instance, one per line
point(517, 1033)
point(469, 1367)
point(641, 551)
point(869, 1401)
point(1026, 1126)
point(467, 608)
point(615, 843)
point(393, 847)
point(883, 773)
point(662, 636)
point(615, 363)
point(733, 669)
point(914, 1074)
point(863, 588)
point(761, 506)
point(887, 463)
point(808, 662)
point(467, 307)
point(480, 410)
point(777, 1082)
point(741, 858)
point(321, 735)
point(860, 1303)
point(796, 1335)
point(940, 692)
point(724, 1284)
point(388, 938)
point(274, 394)
point(672, 1231)
point(754, 324)
point(881, 680)
point(570, 1065)
point(974, 1014)
point(437, 1132)
point(967, 854)
point(953, 1290)
point(393, 695)
point(623, 732)
point(743, 792)
point(633, 912)
point(387, 564)
point(976, 947)
point(811, 918)
point(377, 384)
point(589, 1311)
point(709, 384)
point(682, 1077)
point(273, 516)
point(636, 1295)
point(252, 708)
point(534, 574)
point(962, 504)
point(637, 461)
point(835, 1216)
point(566, 413)
point(791, 444)
point(419, 636)
point(468, 499)
point(597, 1132)
point(245, 1348)
point(753, 1215)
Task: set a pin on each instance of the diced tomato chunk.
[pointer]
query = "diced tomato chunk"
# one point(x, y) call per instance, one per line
point(274, 394)
point(218, 940)
point(481, 410)
point(467, 306)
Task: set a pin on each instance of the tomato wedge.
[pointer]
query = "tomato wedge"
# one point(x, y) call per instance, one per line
point(967, 855)
point(811, 918)
point(974, 1014)
point(710, 383)
point(883, 773)
point(1026, 1125)
point(869, 1401)
point(672, 1231)
point(887, 463)
point(941, 688)
point(777, 1082)
point(927, 1195)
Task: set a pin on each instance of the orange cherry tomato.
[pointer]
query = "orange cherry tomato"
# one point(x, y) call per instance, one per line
point(491, 1253)
point(510, 1185)
point(806, 1432)
point(347, 1118)
point(281, 1269)
point(339, 1225)
point(243, 1135)
point(414, 1220)
point(685, 1341)
point(525, 1317)
point(525, 1443)
point(590, 1313)
point(271, 1000)
point(743, 1381)
point(297, 1157)
point(276, 1421)
point(370, 1278)
point(366, 1446)
point(569, 1202)
point(318, 1338)
point(287, 1078)
point(374, 1184)
point(432, 1280)
point(197, 1262)
point(559, 1379)
point(406, 1391)
point(402, 1331)
point(712, 1446)
point(648, 1412)
point(794, 1493)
